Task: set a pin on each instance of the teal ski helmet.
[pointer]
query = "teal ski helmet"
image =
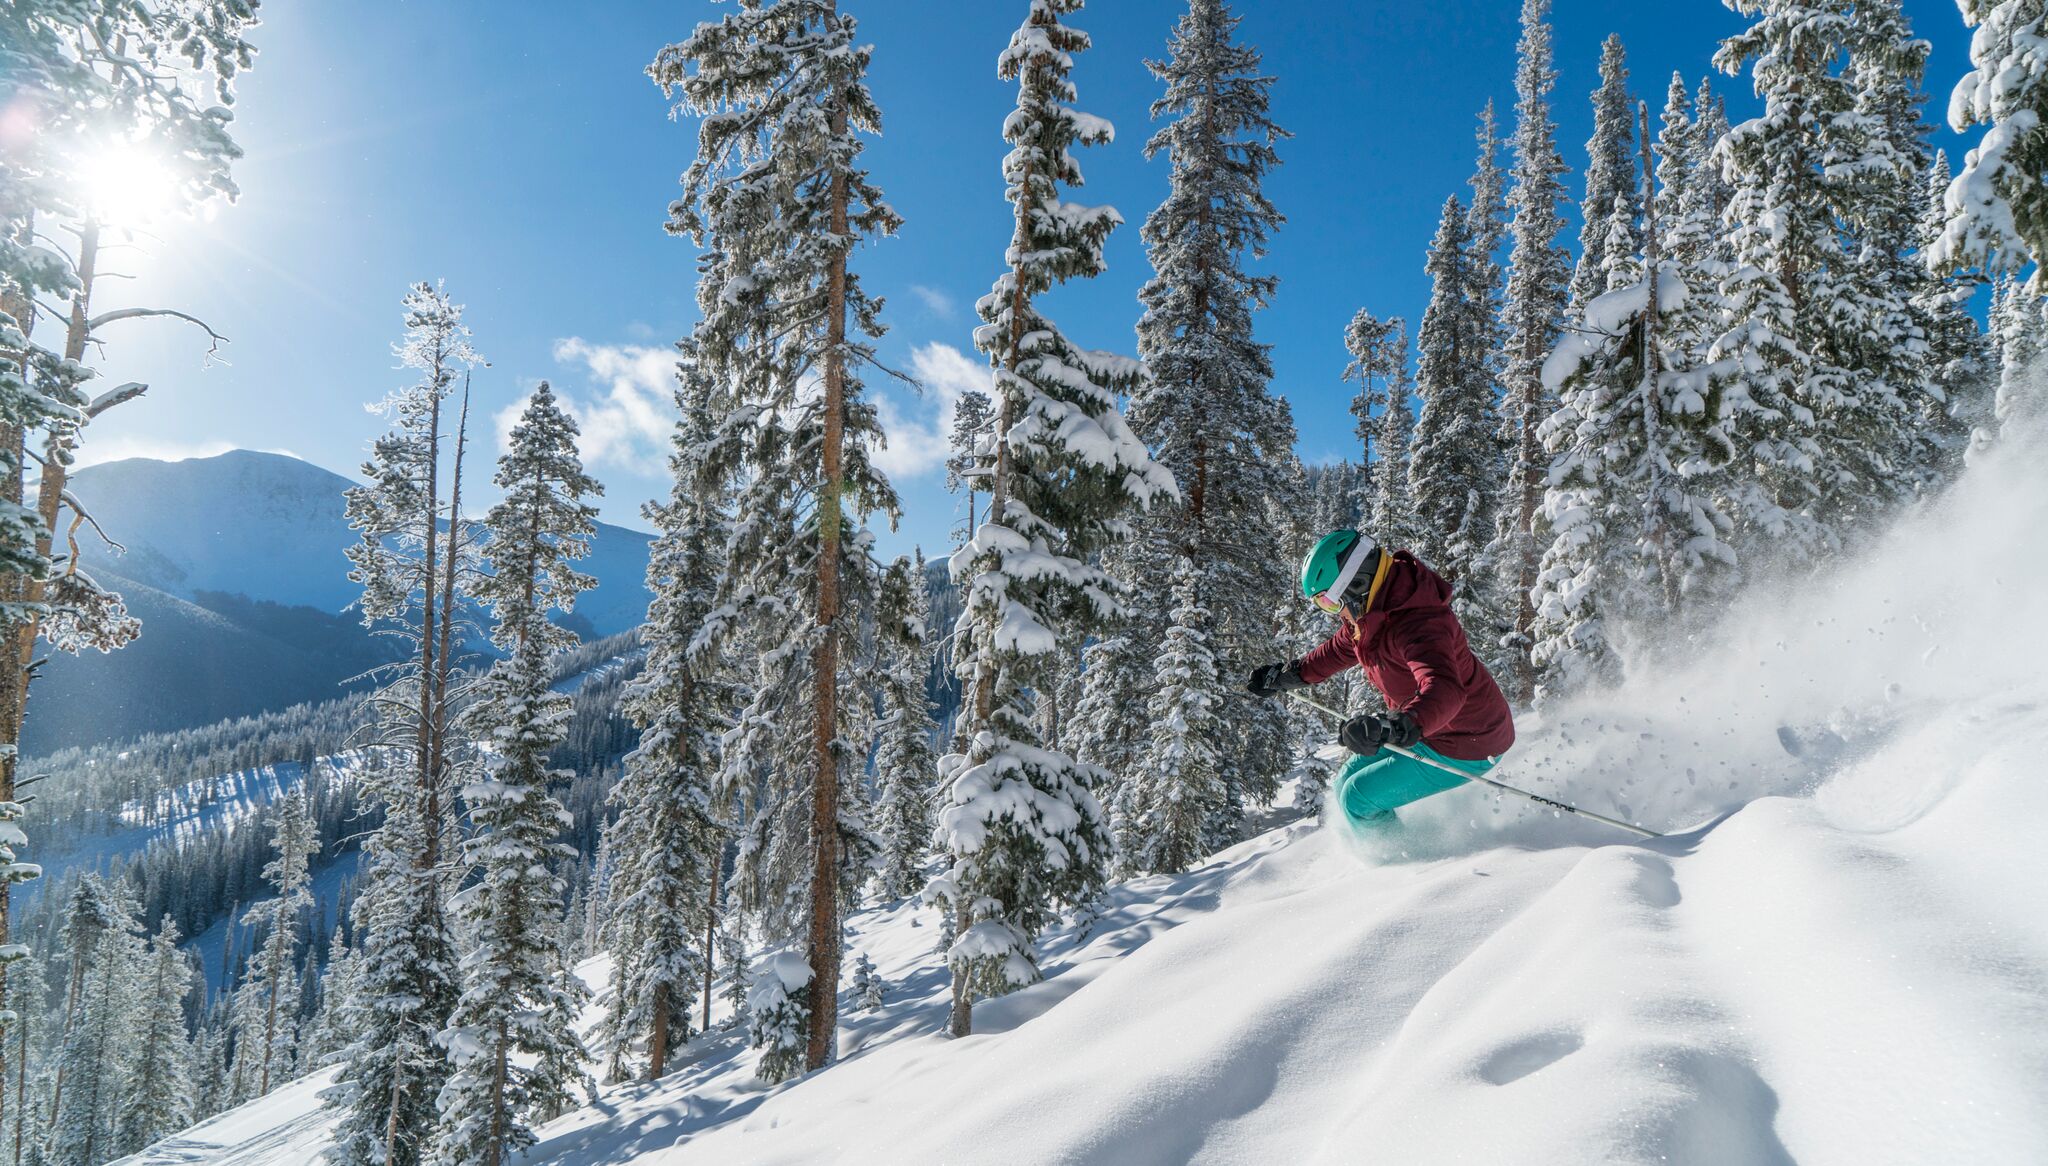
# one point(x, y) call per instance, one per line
point(1334, 562)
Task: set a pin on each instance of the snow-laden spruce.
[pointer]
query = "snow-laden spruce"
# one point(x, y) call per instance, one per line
point(667, 841)
point(266, 1038)
point(1609, 212)
point(1998, 205)
point(158, 1090)
point(1207, 415)
point(1021, 822)
point(1182, 800)
point(511, 1043)
point(1454, 460)
point(905, 759)
point(1532, 311)
point(415, 562)
point(1386, 423)
point(778, 199)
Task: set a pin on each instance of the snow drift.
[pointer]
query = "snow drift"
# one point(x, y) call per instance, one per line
point(1839, 956)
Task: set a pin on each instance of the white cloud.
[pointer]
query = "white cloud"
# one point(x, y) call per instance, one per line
point(626, 409)
point(97, 449)
point(936, 302)
point(918, 438)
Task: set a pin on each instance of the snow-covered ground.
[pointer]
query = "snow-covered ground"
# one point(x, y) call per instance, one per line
point(1838, 956)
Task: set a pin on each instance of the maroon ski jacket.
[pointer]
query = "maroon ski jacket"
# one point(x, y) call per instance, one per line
point(1414, 651)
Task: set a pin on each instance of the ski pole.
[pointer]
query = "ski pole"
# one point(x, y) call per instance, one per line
point(1502, 786)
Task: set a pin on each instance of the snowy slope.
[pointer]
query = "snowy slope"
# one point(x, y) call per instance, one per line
point(1841, 958)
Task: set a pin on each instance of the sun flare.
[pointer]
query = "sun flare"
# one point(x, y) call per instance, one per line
point(125, 185)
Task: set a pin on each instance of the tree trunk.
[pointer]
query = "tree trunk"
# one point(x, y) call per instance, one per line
point(824, 938)
point(497, 1154)
point(711, 926)
point(442, 659)
point(423, 733)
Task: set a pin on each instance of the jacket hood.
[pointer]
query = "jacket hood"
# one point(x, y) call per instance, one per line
point(1410, 586)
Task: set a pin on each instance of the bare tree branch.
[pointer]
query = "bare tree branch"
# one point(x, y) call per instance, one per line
point(119, 314)
point(83, 515)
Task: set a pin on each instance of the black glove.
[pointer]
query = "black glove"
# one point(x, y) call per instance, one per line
point(1365, 735)
point(1274, 679)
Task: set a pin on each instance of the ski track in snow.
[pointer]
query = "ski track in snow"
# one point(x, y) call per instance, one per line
point(1839, 956)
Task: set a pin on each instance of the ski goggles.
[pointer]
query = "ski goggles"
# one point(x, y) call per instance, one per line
point(1332, 599)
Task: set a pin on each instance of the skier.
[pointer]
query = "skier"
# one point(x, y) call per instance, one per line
point(1396, 623)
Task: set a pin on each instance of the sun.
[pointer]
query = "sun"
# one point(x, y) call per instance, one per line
point(125, 185)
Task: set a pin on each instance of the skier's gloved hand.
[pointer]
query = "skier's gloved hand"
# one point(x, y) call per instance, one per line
point(1274, 679)
point(1365, 735)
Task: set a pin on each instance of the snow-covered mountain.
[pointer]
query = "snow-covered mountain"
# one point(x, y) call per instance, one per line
point(235, 564)
point(1837, 955)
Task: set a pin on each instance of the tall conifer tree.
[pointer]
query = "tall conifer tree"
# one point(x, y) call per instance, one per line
point(780, 200)
point(1020, 822)
point(511, 1041)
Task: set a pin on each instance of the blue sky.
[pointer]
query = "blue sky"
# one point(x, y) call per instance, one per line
point(517, 151)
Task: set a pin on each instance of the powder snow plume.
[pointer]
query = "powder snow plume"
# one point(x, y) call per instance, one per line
point(1939, 620)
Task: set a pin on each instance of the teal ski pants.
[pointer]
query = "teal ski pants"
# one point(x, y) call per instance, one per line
point(1369, 788)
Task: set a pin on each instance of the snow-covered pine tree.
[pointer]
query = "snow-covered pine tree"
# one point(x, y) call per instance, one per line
point(668, 839)
point(906, 764)
point(512, 1044)
point(1633, 525)
point(1608, 212)
point(1379, 353)
point(1961, 374)
point(778, 196)
point(410, 562)
point(1020, 822)
point(1998, 205)
point(1539, 274)
point(868, 987)
point(1487, 226)
point(157, 1087)
point(1877, 167)
point(1788, 268)
point(96, 80)
point(2019, 323)
point(1179, 793)
point(1205, 410)
point(1391, 512)
point(328, 1033)
point(264, 1019)
point(973, 415)
point(1453, 463)
point(87, 1103)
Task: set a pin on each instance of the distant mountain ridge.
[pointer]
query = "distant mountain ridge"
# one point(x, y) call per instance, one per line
point(236, 565)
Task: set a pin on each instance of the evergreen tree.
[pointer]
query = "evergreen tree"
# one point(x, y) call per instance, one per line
point(265, 1034)
point(905, 762)
point(668, 837)
point(329, 1033)
point(88, 1101)
point(1392, 508)
point(1179, 793)
point(1205, 410)
point(867, 986)
point(1608, 212)
point(1455, 455)
point(2019, 322)
point(1487, 226)
point(973, 415)
point(778, 1013)
point(1961, 374)
point(778, 198)
point(512, 1038)
point(1379, 356)
point(413, 565)
point(1538, 274)
point(1998, 206)
point(1632, 519)
point(1787, 271)
point(158, 1090)
point(1020, 822)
